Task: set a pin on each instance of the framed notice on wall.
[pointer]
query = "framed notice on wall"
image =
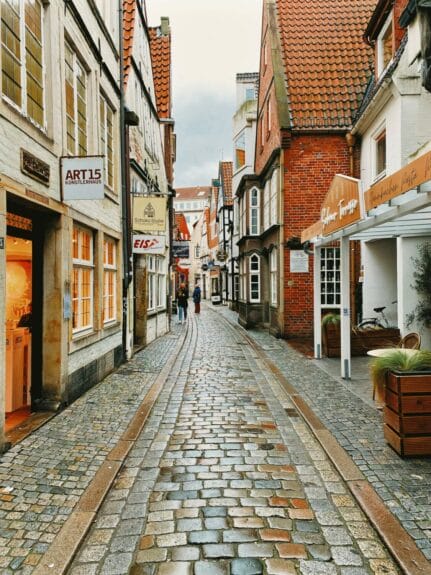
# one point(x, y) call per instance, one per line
point(298, 261)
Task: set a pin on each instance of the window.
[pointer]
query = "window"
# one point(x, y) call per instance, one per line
point(242, 280)
point(22, 57)
point(107, 139)
point(240, 151)
point(156, 282)
point(254, 274)
point(385, 46)
point(380, 154)
point(273, 274)
point(76, 104)
point(268, 116)
point(82, 281)
point(109, 280)
point(254, 212)
point(197, 251)
point(274, 198)
point(250, 94)
point(330, 277)
point(266, 204)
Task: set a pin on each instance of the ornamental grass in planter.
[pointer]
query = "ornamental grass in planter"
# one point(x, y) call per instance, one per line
point(403, 381)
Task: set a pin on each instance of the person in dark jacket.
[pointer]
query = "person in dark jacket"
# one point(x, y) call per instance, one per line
point(182, 297)
point(197, 298)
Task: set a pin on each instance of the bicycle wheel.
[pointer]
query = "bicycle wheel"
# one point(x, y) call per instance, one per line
point(370, 324)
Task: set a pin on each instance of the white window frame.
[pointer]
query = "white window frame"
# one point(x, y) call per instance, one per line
point(83, 265)
point(107, 140)
point(254, 209)
point(156, 277)
point(23, 107)
point(379, 134)
point(273, 218)
point(110, 272)
point(254, 278)
point(77, 67)
point(273, 269)
point(266, 204)
point(330, 277)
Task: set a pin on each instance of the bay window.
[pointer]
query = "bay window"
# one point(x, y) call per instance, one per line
point(254, 211)
point(254, 278)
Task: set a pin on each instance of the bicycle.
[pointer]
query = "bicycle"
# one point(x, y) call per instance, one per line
point(375, 322)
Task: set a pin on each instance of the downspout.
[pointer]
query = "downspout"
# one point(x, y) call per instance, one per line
point(125, 209)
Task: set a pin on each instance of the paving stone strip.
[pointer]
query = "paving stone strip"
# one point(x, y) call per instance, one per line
point(403, 485)
point(223, 481)
point(43, 477)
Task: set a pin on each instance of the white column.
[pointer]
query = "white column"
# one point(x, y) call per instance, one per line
point(345, 308)
point(317, 313)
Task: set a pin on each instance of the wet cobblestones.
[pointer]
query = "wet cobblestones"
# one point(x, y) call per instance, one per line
point(231, 484)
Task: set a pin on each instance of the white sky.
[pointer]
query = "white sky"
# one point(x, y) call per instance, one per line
point(212, 41)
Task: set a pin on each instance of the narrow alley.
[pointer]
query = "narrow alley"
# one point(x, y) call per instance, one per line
point(193, 459)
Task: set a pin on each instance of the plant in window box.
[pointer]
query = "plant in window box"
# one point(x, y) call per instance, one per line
point(402, 380)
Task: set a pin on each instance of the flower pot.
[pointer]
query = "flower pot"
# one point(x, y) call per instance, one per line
point(407, 413)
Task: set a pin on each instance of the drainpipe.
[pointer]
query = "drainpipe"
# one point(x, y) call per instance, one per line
point(350, 139)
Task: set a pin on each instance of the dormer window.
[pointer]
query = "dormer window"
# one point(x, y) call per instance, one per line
point(385, 46)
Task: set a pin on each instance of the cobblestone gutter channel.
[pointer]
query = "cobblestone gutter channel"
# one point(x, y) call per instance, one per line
point(394, 494)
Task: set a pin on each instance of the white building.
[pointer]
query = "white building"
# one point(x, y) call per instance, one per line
point(191, 202)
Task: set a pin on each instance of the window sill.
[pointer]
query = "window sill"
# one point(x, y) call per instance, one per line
point(379, 177)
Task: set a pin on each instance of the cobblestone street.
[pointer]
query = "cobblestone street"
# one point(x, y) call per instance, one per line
point(225, 477)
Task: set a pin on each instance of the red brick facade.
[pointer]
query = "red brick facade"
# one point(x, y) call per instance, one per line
point(310, 163)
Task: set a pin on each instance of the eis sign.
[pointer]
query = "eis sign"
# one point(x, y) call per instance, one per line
point(146, 244)
point(82, 178)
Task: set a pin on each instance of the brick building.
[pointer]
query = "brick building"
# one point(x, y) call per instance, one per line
point(314, 68)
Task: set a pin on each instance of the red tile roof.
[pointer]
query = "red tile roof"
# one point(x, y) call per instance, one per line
point(192, 193)
point(160, 46)
point(326, 61)
point(129, 12)
point(226, 171)
point(181, 231)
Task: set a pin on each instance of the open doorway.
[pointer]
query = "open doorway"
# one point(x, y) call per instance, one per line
point(19, 302)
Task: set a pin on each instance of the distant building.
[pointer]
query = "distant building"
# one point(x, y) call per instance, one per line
point(192, 202)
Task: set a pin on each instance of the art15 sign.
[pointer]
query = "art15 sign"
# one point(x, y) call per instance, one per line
point(82, 178)
point(145, 244)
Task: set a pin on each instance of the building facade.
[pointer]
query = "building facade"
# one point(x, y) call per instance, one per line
point(61, 249)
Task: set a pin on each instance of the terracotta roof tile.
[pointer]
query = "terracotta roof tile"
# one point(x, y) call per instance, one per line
point(160, 46)
point(192, 193)
point(326, 61)
point(226, 171)
point(129, 12)
point(181, 231)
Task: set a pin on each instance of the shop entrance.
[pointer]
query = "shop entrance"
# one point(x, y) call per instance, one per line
point(23, 307)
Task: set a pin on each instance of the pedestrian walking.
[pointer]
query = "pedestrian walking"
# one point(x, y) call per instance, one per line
point(182, 297)
point(197, 298)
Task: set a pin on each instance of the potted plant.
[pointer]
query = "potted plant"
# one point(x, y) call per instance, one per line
point(331, 334)
point(402, 379)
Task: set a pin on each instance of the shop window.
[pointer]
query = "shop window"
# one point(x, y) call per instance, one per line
point(330, 277)
point(254, 275)
point(76, 104)
point(273, 276)
point(82, 281)
point(22, 57)
point(380, 154)
point(107, 140)
point(109, 280)
point(156, 282)
point(254, 212)
point(385, 46)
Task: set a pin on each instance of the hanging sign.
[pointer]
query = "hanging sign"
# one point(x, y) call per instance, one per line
point(146, 244)
point(149, 214)
point(82, 178)
point(181, 249)
point(409, 177)
point(341, 206)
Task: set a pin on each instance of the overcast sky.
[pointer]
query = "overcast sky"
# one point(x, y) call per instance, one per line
point(213, 40)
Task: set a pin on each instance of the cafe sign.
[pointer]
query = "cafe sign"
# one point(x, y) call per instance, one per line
point(409, 177)
point(149, 214)
point(341, 206)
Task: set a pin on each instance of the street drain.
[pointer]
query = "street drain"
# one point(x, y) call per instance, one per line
point(267, 446)
point(291, 412)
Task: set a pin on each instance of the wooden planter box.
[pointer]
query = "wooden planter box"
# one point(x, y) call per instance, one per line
point(361, 341)
point(407, 413)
